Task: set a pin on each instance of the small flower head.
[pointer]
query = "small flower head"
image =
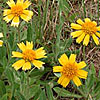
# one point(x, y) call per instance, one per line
point(85, 31)
point(1, 42)
point(17, 11)
point(70, 70)
point(28, 56)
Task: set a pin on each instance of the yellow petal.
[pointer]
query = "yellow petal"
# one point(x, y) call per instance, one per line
point(29, 45)
point(61, 79)
point(72, 58)
point(65, 82)
point(15, 22)
point(87, 20)
point(76, 26)
point(26, 66)
point(77, 81)
point(17, 54)
point(98, 28)
point(22, 46)
point(82, 74)
point(19, 2)
point(57, 68)
point(17, 65)
point(95, 39)
point(37, 63)
point(8, 18)
point(98, 34)
point(63, 59)
point(1, 42)
point(26, 4)
point(80, 38)
point(1, 35)
point(40, 53)
point(76, 33)
point(11, 3)
point(86, 40)
point(79, 21)
point(6, 12)
point(27, 15)
point(81, 65)
point(95, 23)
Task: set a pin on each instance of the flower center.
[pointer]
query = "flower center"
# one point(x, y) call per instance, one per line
point(89, 28)
point(70, 70)
point(17, 10)
point(29, 55)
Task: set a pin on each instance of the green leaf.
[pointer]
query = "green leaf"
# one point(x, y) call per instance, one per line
point(65, 93)
point(49, 92)
point(42, 95)
point(2, 88)
point(4, 97)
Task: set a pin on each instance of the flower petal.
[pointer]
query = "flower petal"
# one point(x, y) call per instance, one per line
point(22, 46)
point(82, 74)
point(1, 42)
point(15, 22)
point(17, 65)
point(27, 15)
point(98, 34)
point(79, 21)
point(1, 35)
point(76, 33)
point(76, 26)
point(6, 12)
point(17, 54)
point(95, 39)
point(72, 58)
point(80, 38)
point(98, 28)
point(63, 59)
point(8, 18)
point(86, 40)
point(87, 20)
point(77, 81)
point(37, 63)
point(26, 4)
point(11, 3)
point(65, 82)
point(26, 66)
point(57, 68)
point(40, 53)
point(81, 65)
point(95, 23)
point(29, 45)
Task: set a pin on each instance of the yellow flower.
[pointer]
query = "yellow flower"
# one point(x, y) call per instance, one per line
point(70, 70)
point(85, 31)
point(17, 11)
point(1, 42)
point(28, 56)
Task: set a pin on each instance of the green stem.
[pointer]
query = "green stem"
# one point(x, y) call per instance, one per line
point(19, 33)
point(84, 53)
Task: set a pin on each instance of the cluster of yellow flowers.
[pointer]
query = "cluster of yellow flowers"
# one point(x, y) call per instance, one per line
point(69, 69)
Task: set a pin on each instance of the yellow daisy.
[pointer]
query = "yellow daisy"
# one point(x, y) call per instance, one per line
point(28, 56)
point(70, 70)
point(85, 31)
point(17, 10)
point(1, 42)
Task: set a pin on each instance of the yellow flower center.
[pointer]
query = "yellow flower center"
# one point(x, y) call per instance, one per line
point(70, 70)
point(29, 55)
point(89, 28)
point(17, 10)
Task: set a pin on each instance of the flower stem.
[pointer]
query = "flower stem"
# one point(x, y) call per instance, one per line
point(19, 33)
point(84, 53)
